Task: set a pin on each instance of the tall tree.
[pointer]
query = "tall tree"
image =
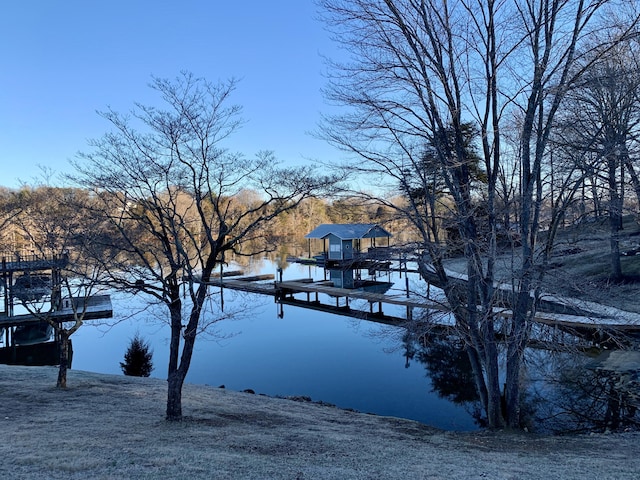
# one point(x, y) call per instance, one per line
point(600, 123)
point(173, 202)
point(418, 72)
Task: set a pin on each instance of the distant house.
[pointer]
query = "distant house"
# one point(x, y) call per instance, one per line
point(345, 241)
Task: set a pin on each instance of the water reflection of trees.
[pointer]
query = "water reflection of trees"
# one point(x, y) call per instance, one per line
point(574, 395)
point(564, 391)
point(447, 364)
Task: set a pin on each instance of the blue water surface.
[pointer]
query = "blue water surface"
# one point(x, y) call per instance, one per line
point(339, 360)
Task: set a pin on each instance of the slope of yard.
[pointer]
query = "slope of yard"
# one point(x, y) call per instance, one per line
point(581, 265)
point(108, 427)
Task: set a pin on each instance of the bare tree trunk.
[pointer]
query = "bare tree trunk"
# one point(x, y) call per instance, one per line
point(515, 351)
point(615, 217)
point(175, 313)
point(174, 396)
point(635, 181)
point(175, 377)
point(64, 358)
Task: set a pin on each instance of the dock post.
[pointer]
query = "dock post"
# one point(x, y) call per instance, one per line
point(5, 286)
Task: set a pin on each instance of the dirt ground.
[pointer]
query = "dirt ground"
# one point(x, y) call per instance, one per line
point(112, 427)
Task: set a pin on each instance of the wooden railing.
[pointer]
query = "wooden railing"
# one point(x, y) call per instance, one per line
point(16, 261)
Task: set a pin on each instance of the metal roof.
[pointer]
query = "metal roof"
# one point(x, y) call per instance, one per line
point(349, 231)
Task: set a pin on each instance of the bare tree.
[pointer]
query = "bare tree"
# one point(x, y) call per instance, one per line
point(173, 202)
point(419, 71)
point(51, 221)
point(600, 122)
point(9, 208)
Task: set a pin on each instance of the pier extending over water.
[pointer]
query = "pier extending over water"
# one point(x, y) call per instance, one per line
point(306, 293)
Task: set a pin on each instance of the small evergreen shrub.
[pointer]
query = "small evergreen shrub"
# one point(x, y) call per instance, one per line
point(137, 359)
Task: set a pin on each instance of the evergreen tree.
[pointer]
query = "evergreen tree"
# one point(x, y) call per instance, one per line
point(137, 359)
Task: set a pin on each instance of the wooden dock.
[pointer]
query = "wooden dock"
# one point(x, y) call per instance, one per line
point(287, 292)
point(32, 262)
point(97, 307)
point(29, 277)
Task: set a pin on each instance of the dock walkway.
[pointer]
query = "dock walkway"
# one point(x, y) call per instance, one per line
point(284, 292)
point(98, 306)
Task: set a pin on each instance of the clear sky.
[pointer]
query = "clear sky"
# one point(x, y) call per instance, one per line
point(63, 60)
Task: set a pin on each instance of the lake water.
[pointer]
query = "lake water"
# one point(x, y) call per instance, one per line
point(339, 360)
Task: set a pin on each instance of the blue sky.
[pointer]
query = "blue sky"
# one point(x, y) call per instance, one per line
point(63, 60)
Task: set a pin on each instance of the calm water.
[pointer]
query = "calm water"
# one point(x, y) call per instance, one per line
point(339, 360)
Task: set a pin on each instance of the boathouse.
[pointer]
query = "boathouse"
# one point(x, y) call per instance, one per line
point(36, 280)
point(345, 241)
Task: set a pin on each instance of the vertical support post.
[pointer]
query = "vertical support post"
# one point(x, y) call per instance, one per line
point(9, 295)
point(56, 289)
point(221, 289)
point(5, 287)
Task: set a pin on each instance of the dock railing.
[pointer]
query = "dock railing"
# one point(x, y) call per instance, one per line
point(17, 261)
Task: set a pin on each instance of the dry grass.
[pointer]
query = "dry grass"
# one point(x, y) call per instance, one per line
point(108, 427)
